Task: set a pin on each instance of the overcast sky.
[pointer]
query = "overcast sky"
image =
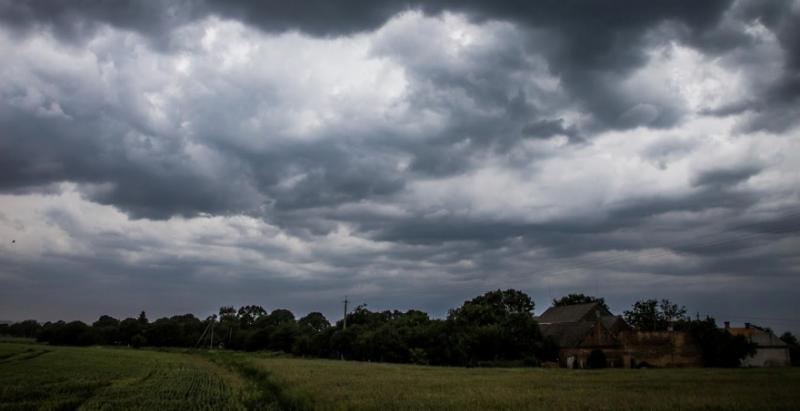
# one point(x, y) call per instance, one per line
point(181, 155)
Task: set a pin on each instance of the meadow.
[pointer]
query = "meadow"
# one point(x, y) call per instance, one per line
point(42, 377)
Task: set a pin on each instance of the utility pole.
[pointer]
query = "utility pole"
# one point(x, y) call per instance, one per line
point(344, 326)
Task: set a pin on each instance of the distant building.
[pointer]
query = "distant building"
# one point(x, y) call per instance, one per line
point(581, 329)
point(770, 350)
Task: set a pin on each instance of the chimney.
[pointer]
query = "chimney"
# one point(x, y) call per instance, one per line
point(746, 325)
point(727, 324)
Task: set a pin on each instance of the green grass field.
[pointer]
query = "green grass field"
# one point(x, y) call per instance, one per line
point(41, 377)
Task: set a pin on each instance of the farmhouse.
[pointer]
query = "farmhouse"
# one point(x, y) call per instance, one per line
point(580, 329)
point(583, 329)
point(770, 350)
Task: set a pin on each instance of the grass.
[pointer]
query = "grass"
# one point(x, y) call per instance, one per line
point(43, 377)
point(335, 385)
point(40, 377)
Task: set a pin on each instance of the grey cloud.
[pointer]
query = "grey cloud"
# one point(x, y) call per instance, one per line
point(550, 127)
point(590, 46)
point(775, 106)
point(594, 45)
point(162, 182)
point(726, 177)
point(76, 21)
point(486, 106)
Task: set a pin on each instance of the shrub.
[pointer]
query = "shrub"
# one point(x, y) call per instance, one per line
point(138, 340)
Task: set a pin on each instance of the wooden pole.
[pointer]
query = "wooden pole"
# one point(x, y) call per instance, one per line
point(344, 325)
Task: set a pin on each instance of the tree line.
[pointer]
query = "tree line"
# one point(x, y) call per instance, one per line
point(494, 329)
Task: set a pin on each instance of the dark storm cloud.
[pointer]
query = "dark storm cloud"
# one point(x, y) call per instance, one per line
point(548, 128)
point(726, 177)
point(591, 46)
point(775, 107)
point(487, 109)
point(75, 21)
point(160, 183)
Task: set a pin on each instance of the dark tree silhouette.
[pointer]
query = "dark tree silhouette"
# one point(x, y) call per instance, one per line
point(572, 299)
point(652, 315)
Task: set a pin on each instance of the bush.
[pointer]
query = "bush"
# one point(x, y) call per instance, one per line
point(138, 340)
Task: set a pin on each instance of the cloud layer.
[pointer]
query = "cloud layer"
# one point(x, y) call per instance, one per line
point(179, 156)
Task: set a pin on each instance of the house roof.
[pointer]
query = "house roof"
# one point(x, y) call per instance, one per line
point(613, 322)
point(572, 313)
point(567, 334)
point(762, 338)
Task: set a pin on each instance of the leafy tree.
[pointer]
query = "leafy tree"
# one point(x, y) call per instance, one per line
point(26, 329)
point(276, 318)
point(72, 333)
point(249, 314)
point(789, 338)
point(496, 326)
point(282, 336)
point(143, 318)
point(794, 347)
point(313, 323)
point(573, 299)
point(229, 327)
point(652, 315)
point(492, 307)
point(718, 347)
point(107, 328)
point(227, 313)
point(138, 341)
point(128, 328)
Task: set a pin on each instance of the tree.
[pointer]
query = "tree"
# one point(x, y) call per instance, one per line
point(138, 340)
point(249, 314)
point(143, 318)
point(108, 329)
point(719, 348)
point(227, 313)
point(789, 338)
point(276, 318)
point(72, 333)
point(672, 313)
point(27, 329)
point(282, 336)
point(128, 328)
point(497, 325)
point(794, 347)
point(492, 307)
point(652, 315)
point(313, 323)
point(573, 299)
point(229, 326)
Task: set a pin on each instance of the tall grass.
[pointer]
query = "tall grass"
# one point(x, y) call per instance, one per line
point(336, 385)
point(44, 377)
point(41, 377)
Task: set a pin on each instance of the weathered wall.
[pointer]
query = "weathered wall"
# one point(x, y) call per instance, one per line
point(768, 357)
point(660, 349)
point(599, 338)
point(580, 356)
point(634, 348)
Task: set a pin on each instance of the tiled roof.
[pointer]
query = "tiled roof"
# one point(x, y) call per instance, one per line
point(761, 337)
point(570, 313)
point(567, 334)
